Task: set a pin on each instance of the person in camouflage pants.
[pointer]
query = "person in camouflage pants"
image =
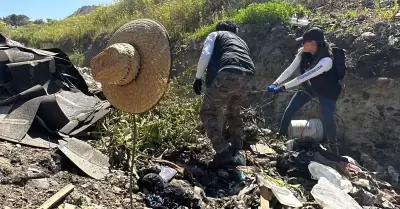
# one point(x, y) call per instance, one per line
point(230, 78)
point(230, 90)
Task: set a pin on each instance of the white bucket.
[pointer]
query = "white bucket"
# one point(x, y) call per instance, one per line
point(312, 128)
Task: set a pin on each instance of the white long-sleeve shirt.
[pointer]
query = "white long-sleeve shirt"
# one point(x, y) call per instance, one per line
point(206, 54)
point(322, 66)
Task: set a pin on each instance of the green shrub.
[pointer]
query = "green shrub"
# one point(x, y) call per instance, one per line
point(272, 12)
point(172, 123)
point(4, 28)
point(77, 57)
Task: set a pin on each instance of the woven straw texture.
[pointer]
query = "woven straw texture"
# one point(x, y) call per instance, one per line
point(151, 42)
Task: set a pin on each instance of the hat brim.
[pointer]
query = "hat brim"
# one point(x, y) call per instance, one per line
point(151, 40)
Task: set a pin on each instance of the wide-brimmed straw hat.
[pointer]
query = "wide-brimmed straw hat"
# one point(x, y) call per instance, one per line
point(134, 68)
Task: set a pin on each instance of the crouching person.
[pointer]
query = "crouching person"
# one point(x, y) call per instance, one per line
point(229, 80)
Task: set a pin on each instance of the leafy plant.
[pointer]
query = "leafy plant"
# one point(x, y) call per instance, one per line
point(77, 57)
point(171, 124)
point(272, 12)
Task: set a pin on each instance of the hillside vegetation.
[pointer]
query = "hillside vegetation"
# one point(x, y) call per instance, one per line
point(174, 122)
point(180, 17)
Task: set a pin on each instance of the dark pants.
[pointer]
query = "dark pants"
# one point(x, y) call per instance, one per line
point(327, 108)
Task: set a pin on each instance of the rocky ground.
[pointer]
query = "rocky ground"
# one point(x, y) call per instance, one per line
point(29, 176)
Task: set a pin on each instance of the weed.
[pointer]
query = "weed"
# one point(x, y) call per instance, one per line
point(272, 12)
point(171, 124)
point(77, 57)
point(4, 28)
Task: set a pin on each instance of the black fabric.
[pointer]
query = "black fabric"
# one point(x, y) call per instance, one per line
point(229, 49)
point(325, 84)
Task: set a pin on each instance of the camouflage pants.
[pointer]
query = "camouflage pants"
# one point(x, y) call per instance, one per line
point(230, 90)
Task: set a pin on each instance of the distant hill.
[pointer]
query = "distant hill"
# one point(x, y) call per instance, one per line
point(84, 10)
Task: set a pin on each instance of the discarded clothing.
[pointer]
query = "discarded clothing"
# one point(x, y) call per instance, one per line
point(296, 163)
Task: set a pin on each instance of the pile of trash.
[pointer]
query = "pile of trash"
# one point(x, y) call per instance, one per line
point(301, 175)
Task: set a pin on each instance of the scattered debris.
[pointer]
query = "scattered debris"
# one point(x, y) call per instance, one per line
point(57, 197)
point(368, 36)
point(91, 161)
point(284, 196)
point(329, 196)
point(262, 149)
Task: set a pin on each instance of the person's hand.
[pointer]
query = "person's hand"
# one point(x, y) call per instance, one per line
point(271, 88)
point(279, 89)
point(197, 86)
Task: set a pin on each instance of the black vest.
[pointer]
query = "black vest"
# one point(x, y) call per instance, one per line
point(229, 49)
point(325, 84)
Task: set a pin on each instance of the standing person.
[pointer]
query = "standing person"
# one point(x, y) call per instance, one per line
point(229, 80)
point(318, 78)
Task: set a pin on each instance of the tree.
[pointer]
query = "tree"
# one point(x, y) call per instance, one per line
point(38, 22)
point(16, 20)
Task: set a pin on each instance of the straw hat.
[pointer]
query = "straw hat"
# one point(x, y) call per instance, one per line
point(134, 68)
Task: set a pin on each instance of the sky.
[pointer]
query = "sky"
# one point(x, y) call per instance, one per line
point(43, 9)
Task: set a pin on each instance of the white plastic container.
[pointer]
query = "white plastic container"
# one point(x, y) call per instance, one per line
point(312, 128)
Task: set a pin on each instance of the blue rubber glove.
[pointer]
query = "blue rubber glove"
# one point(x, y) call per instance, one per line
point(271, 88)
point(279, 89)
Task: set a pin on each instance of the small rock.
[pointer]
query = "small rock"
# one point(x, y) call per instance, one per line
point(223, 174)
point(393, 173)
point(80, 199)
point(181, 183)
point(198, 193)
point(53, 183)
point(363, 182)
point(40, 183)
point(87, 185)
point(6, 207)
point(263, 162)
point(272, 163)
point(369, 36)
point(262, 149)
point(117, 190)
point(18, 145)
point(386, 204)
point(393, 41)
point(366, 198)
point(279, 148)
point(69, 206)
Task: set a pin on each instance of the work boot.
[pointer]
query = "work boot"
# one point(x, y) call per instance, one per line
point(222, 158)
